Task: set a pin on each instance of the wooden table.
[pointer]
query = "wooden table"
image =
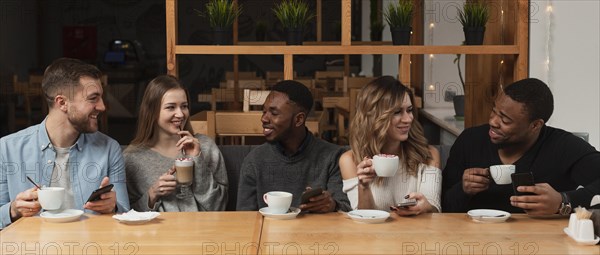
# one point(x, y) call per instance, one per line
point(170, 233)
point(335, 233)
point(249, 233)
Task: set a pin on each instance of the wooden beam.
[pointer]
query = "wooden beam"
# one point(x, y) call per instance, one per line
point(319, 20)
point(522, 41)
point(343, 50)
point(288, 67)
point(404, 69)
point(346, 22)
point(171, 14)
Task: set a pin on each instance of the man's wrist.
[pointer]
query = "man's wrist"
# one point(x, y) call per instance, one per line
point(565, 207)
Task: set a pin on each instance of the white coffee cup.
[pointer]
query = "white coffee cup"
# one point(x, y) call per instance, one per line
point(279, 201)
point(51, 198)
point(385, 165)
point(501, 173)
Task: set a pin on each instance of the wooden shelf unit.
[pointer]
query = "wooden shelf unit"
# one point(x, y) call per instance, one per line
point(519, 50)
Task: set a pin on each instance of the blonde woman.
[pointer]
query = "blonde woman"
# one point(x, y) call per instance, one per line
point(386, 123)
point(163, 133)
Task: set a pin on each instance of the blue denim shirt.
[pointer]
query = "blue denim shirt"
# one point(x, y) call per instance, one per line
point(29, 152)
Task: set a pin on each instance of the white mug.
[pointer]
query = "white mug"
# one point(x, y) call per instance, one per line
point(51, 198)
point(385, 166)
point(279, 201)
point(501, 173)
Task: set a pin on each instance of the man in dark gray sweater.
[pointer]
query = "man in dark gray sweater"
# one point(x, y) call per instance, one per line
point(292, 159)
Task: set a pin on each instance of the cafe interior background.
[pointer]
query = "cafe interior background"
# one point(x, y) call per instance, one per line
point(564, 43)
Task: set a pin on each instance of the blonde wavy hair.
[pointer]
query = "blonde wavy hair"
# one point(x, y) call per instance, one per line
point(375, 107)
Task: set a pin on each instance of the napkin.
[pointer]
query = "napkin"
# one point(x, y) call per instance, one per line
point(133, 215)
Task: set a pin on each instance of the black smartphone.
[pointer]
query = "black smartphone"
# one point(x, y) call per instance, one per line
point(522, 179)
point(306, 195)
point(96, 194)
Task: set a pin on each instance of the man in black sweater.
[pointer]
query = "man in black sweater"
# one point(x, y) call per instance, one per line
point(566, 169)
point(292, 159)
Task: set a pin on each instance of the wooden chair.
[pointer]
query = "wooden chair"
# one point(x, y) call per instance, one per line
point(254, 97)
point(345, 113)
point(326, 79)
point(31, 92)
point(352, 83)
point(245, 84)
point(222, 95)
point(309, 83)
point(242, 124)
point(272, 77)
point(241, 75)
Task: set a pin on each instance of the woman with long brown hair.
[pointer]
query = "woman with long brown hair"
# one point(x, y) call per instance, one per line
point(385, 123)
point(163, 135)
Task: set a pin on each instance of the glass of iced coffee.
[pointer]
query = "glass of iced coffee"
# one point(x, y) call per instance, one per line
point(185, 176)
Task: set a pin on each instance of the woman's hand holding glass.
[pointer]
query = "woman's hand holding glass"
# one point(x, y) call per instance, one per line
point(165, 185)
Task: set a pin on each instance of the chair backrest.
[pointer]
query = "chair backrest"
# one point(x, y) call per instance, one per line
point(309, 83)
point(241, 75)
point(329, 74)
point(246, 84)
point(352, 83)
point(221, 95)
point(254, 97)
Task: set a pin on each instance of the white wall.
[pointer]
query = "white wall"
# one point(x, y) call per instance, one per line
point(574, 72)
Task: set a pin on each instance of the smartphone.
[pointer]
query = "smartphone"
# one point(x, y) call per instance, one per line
point(411, 202)
point(522, 179)
point(96, 194)
point(310, 193)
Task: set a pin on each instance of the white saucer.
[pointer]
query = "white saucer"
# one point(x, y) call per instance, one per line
point(67, 215)
point(582, 242)
point(488, 215)
point(293, 212)
point(133, 217)
point(369, 216)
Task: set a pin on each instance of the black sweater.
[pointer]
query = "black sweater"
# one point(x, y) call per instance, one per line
point(558, 158)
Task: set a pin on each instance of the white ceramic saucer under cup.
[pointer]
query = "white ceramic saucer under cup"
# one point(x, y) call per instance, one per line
point(292, 213)
point(369, 216)
point(67, 215)
point(488, 215)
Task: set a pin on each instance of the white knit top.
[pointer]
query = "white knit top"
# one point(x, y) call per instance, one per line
point(393, 189)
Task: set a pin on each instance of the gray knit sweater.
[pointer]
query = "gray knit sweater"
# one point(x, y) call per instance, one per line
point(266, 169)
point(144, 166)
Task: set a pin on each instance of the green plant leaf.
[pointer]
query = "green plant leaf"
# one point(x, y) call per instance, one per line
point(474, 14)
point(400, 14)
point(221, 13)
point(293, 14)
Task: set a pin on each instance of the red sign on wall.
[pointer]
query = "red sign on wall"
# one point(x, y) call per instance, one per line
point(80, 42)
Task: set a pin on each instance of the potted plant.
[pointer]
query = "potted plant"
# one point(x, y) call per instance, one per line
point(293, 15)
point(399, 17)
point(473, 17)
point(221, 14)
point(376, 29)
point(376, 25)
point(260, 30)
